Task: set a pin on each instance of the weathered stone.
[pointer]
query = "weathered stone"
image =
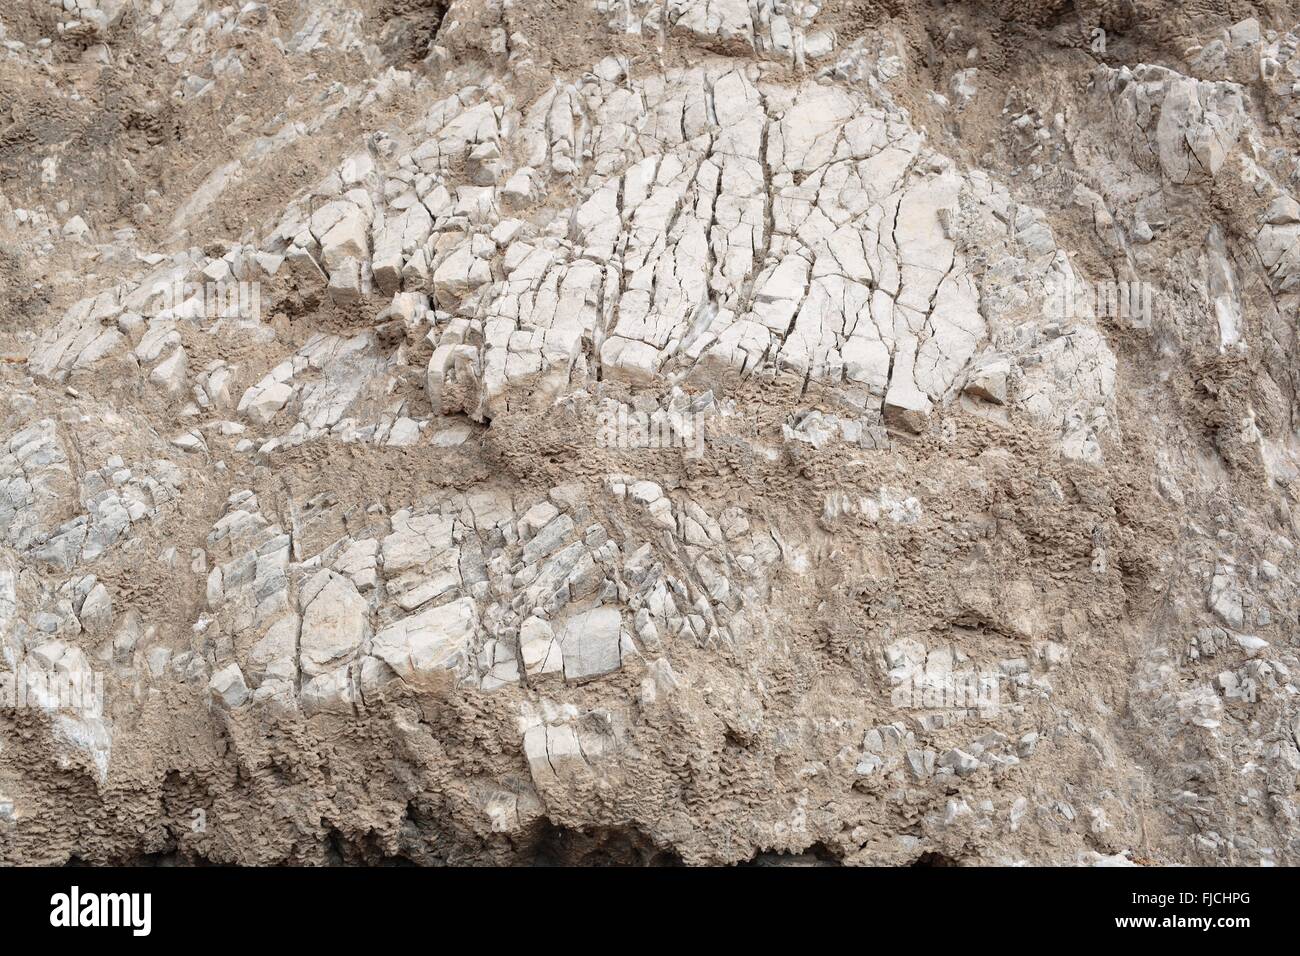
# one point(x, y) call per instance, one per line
point(590, 643)
point(429, 650)
point(228, 688)
point(335, 622)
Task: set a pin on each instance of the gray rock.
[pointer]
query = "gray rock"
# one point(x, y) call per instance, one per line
point(228, 688)
point(590, 643)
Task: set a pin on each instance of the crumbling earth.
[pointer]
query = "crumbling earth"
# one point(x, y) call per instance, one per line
point(605, 431)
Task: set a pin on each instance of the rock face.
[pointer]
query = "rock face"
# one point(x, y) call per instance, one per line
point(709, 431)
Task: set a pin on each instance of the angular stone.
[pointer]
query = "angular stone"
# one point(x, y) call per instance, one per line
point(263, 404)
point(228, 688)
point(540, 650)
point(906, 409)
point(429, 650)
point(334, 624)
point(590, 643)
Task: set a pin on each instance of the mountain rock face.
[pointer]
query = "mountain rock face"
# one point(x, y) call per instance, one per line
point(613, 431)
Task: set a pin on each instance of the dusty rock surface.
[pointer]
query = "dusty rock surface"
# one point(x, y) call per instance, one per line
point(613, 431)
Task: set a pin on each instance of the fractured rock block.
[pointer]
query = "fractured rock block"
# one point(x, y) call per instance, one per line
point(540, 650)
point(228, 688)
point(428, 650)
point(906, 408)
point(590, 642)
point(261, 405)
point(335, 621)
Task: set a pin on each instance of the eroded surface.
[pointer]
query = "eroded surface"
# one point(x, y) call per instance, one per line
point(510, 435)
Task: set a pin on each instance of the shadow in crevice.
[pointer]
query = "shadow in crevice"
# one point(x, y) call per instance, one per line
point(600, 846)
